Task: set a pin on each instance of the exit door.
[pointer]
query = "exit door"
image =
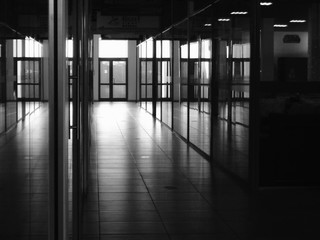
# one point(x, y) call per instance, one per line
point(28, 79)
point(113, 80)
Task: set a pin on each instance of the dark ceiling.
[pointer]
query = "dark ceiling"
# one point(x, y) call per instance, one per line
point(31, 17)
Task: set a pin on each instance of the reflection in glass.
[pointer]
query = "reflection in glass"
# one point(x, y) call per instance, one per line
point(119, 91)
point(105, 91)
point(231, 126)
point(119, 72)
point(180, 103)
point(105, 72)
point(289, 95)
point(166, 77)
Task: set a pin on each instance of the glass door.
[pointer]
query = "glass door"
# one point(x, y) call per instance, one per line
point(28, 79)
point(113, 80)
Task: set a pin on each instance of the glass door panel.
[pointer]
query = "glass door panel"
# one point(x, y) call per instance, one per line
point(119, 72)
point(119, 79)
point(105, 72)
point(119, 91)
point(113, 80)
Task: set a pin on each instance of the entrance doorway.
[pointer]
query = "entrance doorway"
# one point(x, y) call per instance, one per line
point(28, 79)
point(113, 79)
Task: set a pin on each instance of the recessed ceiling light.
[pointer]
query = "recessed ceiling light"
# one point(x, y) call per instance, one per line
point(280, 25)
point(298, 21)
point(207, 25)
point(239, 13)
point(266, 3)
point(224, 19)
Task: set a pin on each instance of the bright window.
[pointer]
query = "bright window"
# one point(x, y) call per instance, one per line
point(113, 48)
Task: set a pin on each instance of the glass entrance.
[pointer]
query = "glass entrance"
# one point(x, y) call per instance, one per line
point(28, 79)
point(113, 80)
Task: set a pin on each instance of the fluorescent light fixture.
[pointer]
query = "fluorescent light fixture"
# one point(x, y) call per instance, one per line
point(266, 3)
point(238, 13)
point(280, 25)
point(207, 25)
point(298, 21)
point(224, 19)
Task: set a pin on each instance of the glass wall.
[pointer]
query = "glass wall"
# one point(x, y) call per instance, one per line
point(206, 63)
point(180, 79)
point(231, 29)
point(161, 70)
point(166, 76)
point(24, 139)
point(149, 75)
point(200, 74)
point(289, 97)
point(2, 83)
point(145, 55)
point(142, 72)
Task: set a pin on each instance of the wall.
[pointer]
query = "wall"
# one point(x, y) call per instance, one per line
point(267, 50)
point(96, 67)
point(45, 69)
point(176, 71)
point(290, 49)
point(11, 78)
point(132, 70)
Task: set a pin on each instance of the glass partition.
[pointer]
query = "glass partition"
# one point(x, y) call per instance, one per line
point(24, 127)
point(166, 77)
point(231, 82)
point(142, 52)
point(2, 83)
point(289, 98)
point(160, 73)
point(199, 81)
point(149, 74)
point(180, 79)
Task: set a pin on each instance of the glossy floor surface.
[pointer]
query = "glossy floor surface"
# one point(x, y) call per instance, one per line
point(145, 183)
point(24, 178)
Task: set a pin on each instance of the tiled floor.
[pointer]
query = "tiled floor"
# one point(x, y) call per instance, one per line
point(145, 183)
point(23, 179)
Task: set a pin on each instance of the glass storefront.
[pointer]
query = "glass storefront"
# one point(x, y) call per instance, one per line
point(289, 99)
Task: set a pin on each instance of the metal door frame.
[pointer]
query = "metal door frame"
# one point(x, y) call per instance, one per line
point(39, 60)
point(111, 83)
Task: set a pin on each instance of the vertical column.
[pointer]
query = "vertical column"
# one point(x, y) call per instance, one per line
point(254, 115)
point(267, 50)
point(314, 42)
point(132, 59)
point(154, 79)
point(96, 71)
point(58, 123)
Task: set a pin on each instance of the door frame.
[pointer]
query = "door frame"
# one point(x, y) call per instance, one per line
point(111, 83)
point(30, 59)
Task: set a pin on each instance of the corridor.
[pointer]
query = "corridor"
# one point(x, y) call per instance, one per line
point(146, 183)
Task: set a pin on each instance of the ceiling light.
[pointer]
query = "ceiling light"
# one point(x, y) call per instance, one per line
point(266, 3)
point(224, 19)
point(298, 21)
point(280, 25)
point(207, 25)
point(239, 13)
